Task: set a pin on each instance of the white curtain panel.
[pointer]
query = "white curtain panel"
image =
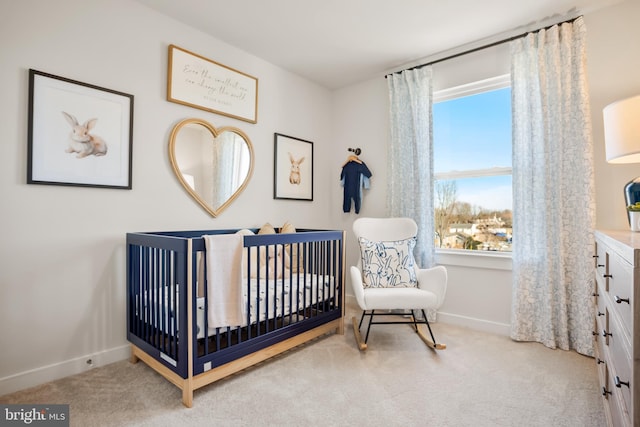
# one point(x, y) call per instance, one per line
point(410, 156)
point(553, 190)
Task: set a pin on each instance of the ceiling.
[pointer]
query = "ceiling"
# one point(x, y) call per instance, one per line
point(336, 43)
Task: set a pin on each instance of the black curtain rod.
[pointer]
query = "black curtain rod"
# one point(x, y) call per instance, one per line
point(476, 49)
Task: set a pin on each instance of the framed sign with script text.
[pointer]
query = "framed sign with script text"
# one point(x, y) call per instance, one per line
point(199, 82)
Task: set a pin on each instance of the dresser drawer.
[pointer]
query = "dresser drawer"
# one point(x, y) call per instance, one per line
point(602, 265)
point(601, 309)
point(599, 355)
point(620, 363)
point(620, 290)
point(600, 341)
point(614, 405)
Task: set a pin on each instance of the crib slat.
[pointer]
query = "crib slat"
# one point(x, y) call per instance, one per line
point(250, 263)
point(155, 321)
point(170, 348)
point(146, 294)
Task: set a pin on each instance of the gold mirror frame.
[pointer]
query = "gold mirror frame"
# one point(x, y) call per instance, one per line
point(179, 139)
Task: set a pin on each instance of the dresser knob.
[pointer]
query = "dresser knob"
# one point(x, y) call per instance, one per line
point(606, 334)
point(620, 300)
point(605, 392)
point(599, 361)
point(594, 333)
point(610, 276)
point(619, 383)
point(600, 314)
point(600, 265)
point(595, 294)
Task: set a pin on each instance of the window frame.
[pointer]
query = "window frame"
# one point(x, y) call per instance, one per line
point(466, 257)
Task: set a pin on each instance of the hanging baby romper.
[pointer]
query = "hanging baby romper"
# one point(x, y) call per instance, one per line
point(355, 175)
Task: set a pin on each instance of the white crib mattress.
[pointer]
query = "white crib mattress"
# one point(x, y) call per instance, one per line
point(269, 299)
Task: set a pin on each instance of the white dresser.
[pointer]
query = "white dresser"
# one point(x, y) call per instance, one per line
point(617, 324)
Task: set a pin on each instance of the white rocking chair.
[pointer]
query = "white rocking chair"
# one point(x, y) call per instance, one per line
point(386, 244)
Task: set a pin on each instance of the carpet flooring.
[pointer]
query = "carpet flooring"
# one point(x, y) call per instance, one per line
point(481, 379)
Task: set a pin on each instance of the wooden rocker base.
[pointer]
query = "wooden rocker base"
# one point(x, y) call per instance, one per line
point(429, 342)
point(362, 345)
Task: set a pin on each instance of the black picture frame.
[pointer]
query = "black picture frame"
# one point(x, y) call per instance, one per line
point(79, 134)
point(292, 168)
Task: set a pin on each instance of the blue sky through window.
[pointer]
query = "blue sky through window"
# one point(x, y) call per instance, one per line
point(473, 133)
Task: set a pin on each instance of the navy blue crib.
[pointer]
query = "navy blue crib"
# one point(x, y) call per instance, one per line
point(167, 302)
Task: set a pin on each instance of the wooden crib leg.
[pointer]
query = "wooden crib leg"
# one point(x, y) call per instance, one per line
point(133, 358)
point(187, 395)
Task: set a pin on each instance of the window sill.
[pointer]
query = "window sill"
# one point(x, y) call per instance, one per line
point(474, 259)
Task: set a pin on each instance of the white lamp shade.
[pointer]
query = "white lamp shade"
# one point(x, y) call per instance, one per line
point(622, 130)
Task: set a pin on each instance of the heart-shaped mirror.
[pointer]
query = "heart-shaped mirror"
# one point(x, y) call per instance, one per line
point(213, 165)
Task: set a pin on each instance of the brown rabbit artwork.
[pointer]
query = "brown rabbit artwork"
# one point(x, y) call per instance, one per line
point(294, 175)
point(81, 141)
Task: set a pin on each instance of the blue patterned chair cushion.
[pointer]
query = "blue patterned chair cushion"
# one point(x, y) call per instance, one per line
point(388, 264)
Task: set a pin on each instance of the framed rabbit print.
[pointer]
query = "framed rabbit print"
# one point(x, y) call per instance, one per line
point(79, 134)
point(293, 168)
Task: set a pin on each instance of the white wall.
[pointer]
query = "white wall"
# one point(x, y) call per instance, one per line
point(481, 297)
point(62, 279)
point(360, 121)
point(62, 261)
point(613, 64)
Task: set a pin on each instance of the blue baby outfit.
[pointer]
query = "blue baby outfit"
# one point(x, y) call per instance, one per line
point(354, 177)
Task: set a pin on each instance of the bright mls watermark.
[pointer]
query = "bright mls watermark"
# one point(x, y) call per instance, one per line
point(34, 415)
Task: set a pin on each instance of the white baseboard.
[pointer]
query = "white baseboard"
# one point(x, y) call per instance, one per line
point(475, 324)
point(45, 374)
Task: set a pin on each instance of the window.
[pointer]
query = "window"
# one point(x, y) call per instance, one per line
point(472, 166)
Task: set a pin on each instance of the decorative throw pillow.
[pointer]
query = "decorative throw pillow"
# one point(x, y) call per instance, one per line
point(289, 250)
point(388, 264)
point(287, 228)
point(267, 229)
